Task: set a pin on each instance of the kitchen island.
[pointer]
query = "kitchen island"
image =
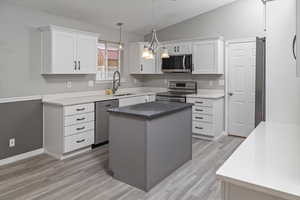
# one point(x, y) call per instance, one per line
point(149, 141)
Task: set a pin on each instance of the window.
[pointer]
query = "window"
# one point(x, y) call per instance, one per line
point(109, 60)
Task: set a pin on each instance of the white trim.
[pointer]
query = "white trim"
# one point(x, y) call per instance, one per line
point(16, 99)
point(21, 157)
point(241, 40)
point(62, 157)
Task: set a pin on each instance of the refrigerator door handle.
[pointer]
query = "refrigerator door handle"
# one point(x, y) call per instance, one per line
point(294, 46)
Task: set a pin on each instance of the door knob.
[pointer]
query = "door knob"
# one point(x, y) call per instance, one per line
point(230, 94)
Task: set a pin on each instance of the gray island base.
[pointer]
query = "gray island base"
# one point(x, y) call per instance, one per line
point(149, 141)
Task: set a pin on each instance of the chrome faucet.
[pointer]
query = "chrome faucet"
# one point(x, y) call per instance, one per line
point(116, 81)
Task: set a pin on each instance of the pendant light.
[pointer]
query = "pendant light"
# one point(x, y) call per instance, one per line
point(151, 49)
point(120, 24)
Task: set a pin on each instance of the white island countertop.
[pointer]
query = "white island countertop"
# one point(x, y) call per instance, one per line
point(268, 161)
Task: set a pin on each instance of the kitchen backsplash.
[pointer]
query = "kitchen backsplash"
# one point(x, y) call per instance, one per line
point(204, 81)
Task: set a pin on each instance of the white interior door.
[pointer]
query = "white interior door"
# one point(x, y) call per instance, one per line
point(241, 87)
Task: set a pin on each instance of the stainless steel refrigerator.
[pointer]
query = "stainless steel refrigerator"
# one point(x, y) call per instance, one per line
point(260, 81)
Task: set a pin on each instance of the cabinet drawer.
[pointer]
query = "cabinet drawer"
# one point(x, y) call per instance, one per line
point(79, 128)
point(78, 109)
point(201, 102)
point(202, 128)
point(78, 119)
point(202, 118)
point(202, 110)
point(78, 141)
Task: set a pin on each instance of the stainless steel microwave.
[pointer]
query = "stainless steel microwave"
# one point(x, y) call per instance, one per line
point(177, 64)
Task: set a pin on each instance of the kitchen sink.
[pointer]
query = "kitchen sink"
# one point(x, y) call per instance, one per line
point(121, 95)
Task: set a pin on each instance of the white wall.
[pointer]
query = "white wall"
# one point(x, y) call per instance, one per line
point(283, 88)
point(240, 19)
point(20, 53)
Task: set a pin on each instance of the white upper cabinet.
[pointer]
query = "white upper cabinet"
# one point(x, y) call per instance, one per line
point(139, 65)
point(179, 48)
point(68, 51)
point(208, 57)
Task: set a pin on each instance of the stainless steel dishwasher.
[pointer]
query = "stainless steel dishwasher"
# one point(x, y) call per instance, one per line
point(101, 117)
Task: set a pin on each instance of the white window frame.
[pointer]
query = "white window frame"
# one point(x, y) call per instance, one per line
point(106, 44)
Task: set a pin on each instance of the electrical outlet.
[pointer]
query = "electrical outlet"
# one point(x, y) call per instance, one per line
point(69, 84)
point(91, 83)
point(12, 142)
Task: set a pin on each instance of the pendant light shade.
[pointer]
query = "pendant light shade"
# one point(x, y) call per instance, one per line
point(165, 53)
point(151, 49)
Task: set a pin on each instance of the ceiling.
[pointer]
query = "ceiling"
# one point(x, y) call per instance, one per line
point(136, 14)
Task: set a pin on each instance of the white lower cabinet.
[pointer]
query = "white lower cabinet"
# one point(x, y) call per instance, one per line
point(136, 100)
point(68, 129)
point(208, 117)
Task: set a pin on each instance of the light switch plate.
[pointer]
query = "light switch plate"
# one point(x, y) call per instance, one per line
point(69, 84)
point(12, 142)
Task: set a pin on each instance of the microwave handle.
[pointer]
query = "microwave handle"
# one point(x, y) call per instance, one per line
point(183, 62)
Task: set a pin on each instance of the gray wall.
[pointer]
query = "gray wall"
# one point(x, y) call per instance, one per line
point(240, 19)
point(24, 122)
point(20, 53)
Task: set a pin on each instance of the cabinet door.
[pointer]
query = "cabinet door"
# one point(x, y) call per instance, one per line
point(204, 57)
point(63, 52)
point(86, 53)
point(139, 65)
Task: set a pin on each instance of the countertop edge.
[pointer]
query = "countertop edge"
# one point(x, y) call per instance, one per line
point(57, 102)
point(257, 187)
point(154, 116)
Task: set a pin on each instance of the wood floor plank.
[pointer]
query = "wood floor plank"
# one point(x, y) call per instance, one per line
point(86, 177)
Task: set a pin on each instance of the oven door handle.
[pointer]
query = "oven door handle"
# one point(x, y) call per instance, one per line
point(183, 62)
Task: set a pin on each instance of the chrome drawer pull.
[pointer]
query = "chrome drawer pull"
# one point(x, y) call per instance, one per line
point(198, 127)
point(80, 109)
point(199, 110)
point(80, 141)
point(80, 119)
point(199, 102)
point(199, 117)
point(79, 129)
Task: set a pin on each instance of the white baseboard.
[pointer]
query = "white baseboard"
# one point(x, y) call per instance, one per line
point(21, 157)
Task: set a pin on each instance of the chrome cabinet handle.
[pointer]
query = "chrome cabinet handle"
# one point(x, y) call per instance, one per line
point(80, 119)
point(80, 109)
point(79, 129)
point(79, 64)
point(199, 127)
point(199, 117)
point(183, 62)
point(200, 102)
point(80, 141)
point(230, 94)
point(294, 46)
point(75, 65)
point(199, 110)
point(141, 67)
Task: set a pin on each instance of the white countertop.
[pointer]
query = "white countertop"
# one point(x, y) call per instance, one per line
point(267, 161)
point(208, 94)
point(91, 97)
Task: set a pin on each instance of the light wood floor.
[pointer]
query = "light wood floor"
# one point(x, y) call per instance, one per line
point(84, 177)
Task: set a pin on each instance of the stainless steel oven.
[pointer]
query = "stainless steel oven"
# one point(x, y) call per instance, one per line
point(177, 91)
point(177, 63)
